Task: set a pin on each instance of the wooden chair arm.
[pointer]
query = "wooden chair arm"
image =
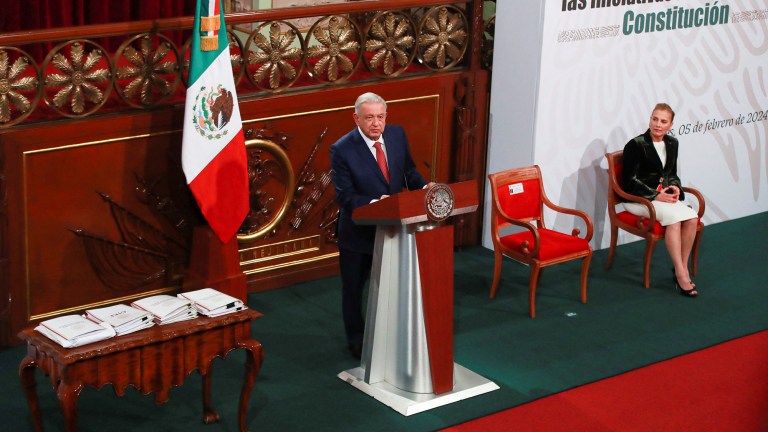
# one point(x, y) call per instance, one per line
point(524, 247)
point(646, 202)
point(573, 212)
point(699, 196)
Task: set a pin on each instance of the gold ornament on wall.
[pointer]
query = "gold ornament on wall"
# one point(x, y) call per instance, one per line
point(390, 37)
point(443, 39)
point(260, 171)
point(148, 76)
point(79, 74)
point(14, 80)
point(335, 43)
point(274, 56)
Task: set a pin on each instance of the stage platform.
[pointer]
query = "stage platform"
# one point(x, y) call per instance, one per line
point(622, 327)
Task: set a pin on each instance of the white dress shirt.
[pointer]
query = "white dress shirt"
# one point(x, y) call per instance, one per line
point(371, 142)
point(661, 149)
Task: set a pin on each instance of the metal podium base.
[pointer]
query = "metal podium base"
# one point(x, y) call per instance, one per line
point(468, 384)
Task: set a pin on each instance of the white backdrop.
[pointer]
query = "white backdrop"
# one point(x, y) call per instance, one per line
point(597, 87)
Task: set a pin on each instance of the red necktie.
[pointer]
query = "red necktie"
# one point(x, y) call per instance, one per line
point(382, 160)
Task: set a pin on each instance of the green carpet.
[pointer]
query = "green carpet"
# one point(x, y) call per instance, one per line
point(622, 327)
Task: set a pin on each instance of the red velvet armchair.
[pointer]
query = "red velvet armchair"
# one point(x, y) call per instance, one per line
point(518, 199)
point(649, 228)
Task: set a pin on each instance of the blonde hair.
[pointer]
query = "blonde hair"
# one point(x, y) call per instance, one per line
point(665, 107)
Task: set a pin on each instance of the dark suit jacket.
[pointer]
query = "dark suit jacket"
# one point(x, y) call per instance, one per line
point(358, 179)
point(642, 167)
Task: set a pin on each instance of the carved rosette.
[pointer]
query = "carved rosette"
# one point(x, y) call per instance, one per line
point(442, 37)
point(489, 29)
point(235, 57)
point(77, 82)
point(390, 36)
point(339, 49)
point(277, 60)
point(17, 85)
point(147, 76)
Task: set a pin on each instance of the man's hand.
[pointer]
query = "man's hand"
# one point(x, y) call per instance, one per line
point(430, 184)
point(384, 196)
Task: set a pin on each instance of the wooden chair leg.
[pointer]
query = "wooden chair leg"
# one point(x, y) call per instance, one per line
point(496, 272)
point(612, 251)
point(532, 289)
point(584, 271)
point(695, 257)
point(650, 244)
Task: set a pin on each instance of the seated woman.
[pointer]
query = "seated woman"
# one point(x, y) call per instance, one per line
point(650, 172)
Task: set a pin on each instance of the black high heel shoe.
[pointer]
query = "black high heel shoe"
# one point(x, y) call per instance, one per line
point(674, 276)
point(686, 293)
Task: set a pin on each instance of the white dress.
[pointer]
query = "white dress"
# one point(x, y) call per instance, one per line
point(666, 213)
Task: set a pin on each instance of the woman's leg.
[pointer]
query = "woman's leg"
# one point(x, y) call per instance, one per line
point(674, 242)
point(688, 235)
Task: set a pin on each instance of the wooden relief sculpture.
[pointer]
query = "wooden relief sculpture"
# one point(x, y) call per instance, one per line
point(261, 220)
point(303, 202)
point(141, 257)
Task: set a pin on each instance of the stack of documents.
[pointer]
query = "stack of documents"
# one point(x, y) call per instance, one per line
point(124, 319)
point(213, 303)
point(167, 309)
point(73, 331)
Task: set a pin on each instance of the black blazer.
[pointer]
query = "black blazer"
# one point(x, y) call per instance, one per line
point(642, 169)
point(358, 179)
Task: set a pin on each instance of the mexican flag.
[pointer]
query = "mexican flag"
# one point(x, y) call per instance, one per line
point(213, 148)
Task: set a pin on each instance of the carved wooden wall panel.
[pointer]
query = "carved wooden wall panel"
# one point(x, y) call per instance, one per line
point(90, 233)
point(303, 248)
point(94, 207)
point(101, 212)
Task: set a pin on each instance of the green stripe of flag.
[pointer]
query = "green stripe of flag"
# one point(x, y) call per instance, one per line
point(201, 60)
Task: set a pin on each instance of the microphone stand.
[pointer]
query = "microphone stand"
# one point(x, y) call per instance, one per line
point(431, 171)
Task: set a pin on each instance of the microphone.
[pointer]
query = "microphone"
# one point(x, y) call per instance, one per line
point(405, 179)
point(431, 171)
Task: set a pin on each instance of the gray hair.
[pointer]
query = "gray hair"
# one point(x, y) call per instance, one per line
point(368, 98)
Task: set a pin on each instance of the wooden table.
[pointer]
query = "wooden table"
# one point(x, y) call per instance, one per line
point(151, 360)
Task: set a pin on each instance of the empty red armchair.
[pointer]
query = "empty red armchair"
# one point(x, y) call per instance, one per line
point(647, 228)
point(519, 199)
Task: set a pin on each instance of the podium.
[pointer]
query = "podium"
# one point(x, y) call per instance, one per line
point(407, 361)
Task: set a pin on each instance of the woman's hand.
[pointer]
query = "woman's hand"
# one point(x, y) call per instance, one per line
point(669, 197)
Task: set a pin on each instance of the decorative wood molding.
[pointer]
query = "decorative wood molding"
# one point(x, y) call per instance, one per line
point(146, 69)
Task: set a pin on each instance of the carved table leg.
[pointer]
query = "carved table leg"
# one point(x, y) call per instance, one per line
point(68, 394)
point(27, 375)
point(255, 356)
point(209, 415)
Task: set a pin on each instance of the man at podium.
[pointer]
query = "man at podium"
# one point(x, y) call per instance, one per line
point(368, 164)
